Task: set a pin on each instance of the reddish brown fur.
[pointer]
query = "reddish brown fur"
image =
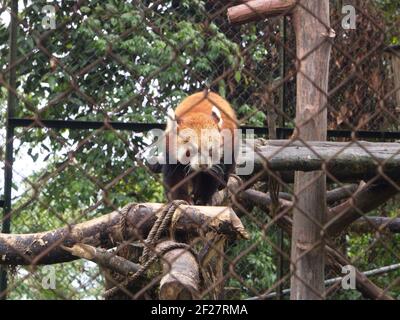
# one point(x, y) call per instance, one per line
point(200, 105)
point(195, 112)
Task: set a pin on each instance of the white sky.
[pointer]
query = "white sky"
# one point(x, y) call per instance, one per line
point(23, 165)
point(5, 18)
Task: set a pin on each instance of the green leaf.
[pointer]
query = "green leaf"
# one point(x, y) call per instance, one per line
point(85, 9)
point(221, 88)
point(238, 76)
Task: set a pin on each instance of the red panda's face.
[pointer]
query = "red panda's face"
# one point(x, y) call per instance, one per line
point(199, 141)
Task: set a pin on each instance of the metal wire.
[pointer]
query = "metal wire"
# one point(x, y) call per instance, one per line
point(83, 95)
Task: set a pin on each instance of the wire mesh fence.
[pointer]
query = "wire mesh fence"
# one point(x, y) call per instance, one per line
point(84, 86)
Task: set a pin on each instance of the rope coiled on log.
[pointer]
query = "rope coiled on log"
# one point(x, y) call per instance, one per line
point(149, 255)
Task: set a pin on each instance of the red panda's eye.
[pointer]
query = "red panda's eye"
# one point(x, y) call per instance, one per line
point(188, 154)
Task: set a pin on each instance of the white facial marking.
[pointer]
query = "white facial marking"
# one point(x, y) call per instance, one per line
point(171, 120)
point(217, 113)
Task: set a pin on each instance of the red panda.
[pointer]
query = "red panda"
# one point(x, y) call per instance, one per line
point(201, 138)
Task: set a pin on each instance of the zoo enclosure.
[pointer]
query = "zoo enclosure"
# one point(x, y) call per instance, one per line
point(275, 103)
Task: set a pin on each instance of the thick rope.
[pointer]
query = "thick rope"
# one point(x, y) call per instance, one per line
point(123, 223)
point(161, 224)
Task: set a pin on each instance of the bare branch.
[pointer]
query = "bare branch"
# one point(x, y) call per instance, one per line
point(103, 258)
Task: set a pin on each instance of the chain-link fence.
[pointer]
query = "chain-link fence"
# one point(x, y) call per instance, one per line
point(310, 210)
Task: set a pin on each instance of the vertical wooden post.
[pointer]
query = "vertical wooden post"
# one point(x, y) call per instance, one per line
point(395, 56)
point(281, 121)
point(312, 27)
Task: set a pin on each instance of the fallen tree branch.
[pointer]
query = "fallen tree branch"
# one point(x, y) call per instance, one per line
point(105, 232)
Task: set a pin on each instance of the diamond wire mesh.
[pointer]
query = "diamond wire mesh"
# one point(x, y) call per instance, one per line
point(130, 61)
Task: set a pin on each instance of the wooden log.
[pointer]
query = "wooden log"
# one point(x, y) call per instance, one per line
point(259, 9)
point(235, 190)
point(374, 224)
point(361, 200)
point(341, 193)
point(311, 23)
point(370, 197)
point(343, 161)
point(181, 274)
point(105, 231)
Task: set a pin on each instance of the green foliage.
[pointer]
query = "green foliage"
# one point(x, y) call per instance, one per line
point(77, 280)
point(256, 270)
point(391, 12)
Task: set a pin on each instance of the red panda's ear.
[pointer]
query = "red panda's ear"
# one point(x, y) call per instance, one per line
point(171, 120)
point(216, 114)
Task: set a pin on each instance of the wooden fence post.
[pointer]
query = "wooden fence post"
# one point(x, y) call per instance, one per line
point(312, 26)
point(395, 57)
